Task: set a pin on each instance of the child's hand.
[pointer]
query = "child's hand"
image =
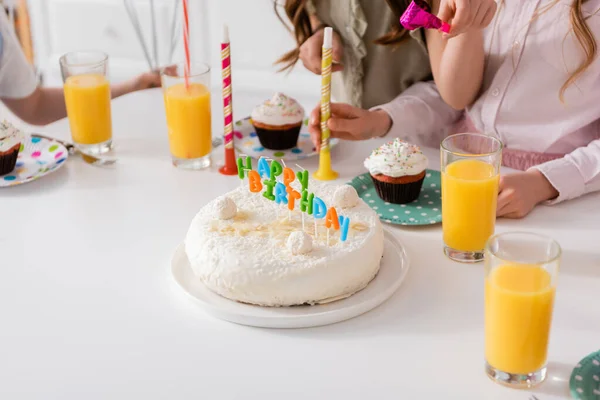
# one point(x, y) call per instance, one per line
point(465, 15)
point(520, 192)
point(349, 123)
point(310, 52)
point(146, 80)
point(149, 80)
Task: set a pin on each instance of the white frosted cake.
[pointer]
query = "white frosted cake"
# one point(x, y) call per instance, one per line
point(252, 250)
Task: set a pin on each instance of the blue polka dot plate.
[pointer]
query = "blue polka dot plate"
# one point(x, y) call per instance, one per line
point(426, 210)
point(246, 142)
point(38, 157)
point(585, 379)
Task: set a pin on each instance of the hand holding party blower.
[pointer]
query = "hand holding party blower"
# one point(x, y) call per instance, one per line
point(325, 173)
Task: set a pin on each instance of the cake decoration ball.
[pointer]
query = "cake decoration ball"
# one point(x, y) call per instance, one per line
point(299, 243)
point(345, 197)
point(225, 208)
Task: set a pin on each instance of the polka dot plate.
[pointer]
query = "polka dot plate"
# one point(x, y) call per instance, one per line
point(246, 142)
point(585, 378)
point(38, 157)
point(426, 210)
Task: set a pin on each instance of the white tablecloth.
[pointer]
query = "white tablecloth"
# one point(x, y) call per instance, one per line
point(89, 309)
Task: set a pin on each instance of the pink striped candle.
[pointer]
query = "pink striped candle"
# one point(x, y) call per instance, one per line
point(230, 167)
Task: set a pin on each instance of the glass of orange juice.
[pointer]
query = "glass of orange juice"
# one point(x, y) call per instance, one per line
point(521, 270)
point(87, 98)
point(470, 175)
point(188, 115)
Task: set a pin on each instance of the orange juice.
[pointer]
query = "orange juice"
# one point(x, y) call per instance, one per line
point(87, 98)
point(469, 195)
point(518, 311)
point(188, 120)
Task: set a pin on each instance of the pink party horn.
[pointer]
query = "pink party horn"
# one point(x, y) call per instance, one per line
point(418, 15)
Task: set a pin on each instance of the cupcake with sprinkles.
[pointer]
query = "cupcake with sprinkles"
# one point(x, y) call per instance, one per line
point(10, 145)
point(277, 122)
point(398, 171)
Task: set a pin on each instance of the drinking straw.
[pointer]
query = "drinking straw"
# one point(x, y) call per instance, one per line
point(186, 43)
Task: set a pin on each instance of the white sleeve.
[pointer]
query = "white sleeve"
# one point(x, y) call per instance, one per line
point(419, 115)
point(17, 79)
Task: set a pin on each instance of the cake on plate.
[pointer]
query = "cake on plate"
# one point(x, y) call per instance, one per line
point(252, 249)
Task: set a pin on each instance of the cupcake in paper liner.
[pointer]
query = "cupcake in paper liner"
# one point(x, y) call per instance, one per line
point(398, 171)
point(10, 145)
point(277, 122)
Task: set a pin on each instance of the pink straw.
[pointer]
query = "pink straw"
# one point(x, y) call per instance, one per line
point(186, 43)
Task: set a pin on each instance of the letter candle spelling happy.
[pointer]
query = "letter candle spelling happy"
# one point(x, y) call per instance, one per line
point(325, 173)
point(284, 194)
point(243, 168)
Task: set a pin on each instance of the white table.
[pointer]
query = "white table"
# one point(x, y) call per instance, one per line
point(89, 309)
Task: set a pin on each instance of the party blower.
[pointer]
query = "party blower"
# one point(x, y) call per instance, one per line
point(325, 173)
point(230, 168)
point(418, 15)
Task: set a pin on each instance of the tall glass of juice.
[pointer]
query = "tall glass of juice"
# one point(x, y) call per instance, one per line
point(521, 270)
point(470, 175)
point(187, 105)
point(87, 98)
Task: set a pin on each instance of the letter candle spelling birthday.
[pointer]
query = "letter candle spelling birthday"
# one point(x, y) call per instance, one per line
point(229, 168)
point(325, 173)
point(284, 194)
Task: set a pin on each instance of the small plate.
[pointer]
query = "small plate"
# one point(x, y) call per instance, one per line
point(246, 142)
point(585, 379)
point(38, 157)
point(426, 210)
point(394, 266)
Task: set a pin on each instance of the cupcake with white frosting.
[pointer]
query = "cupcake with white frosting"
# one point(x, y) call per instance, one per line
point(398, 171)
point(10, 144)
point(277, 122)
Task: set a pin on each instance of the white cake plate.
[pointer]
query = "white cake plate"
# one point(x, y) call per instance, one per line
point(394, 266)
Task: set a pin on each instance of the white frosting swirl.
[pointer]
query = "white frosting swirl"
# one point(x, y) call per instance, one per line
point(278, 110)
point(9, 136)
point(225, 208)
point(395, 159)
point(345, 197)
point(299, 243)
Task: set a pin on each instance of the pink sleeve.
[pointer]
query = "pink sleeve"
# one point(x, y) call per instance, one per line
point(576, 174)
point(419, 115)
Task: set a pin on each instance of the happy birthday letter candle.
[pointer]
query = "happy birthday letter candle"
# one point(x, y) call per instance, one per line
point(263, 168)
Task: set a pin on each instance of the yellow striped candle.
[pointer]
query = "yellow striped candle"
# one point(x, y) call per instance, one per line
point(325, 173)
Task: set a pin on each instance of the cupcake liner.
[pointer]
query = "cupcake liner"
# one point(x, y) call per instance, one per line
point(398, 193)
point(8, 160)
point(281, 139)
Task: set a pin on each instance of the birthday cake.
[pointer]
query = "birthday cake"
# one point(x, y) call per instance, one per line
point(285, 243)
